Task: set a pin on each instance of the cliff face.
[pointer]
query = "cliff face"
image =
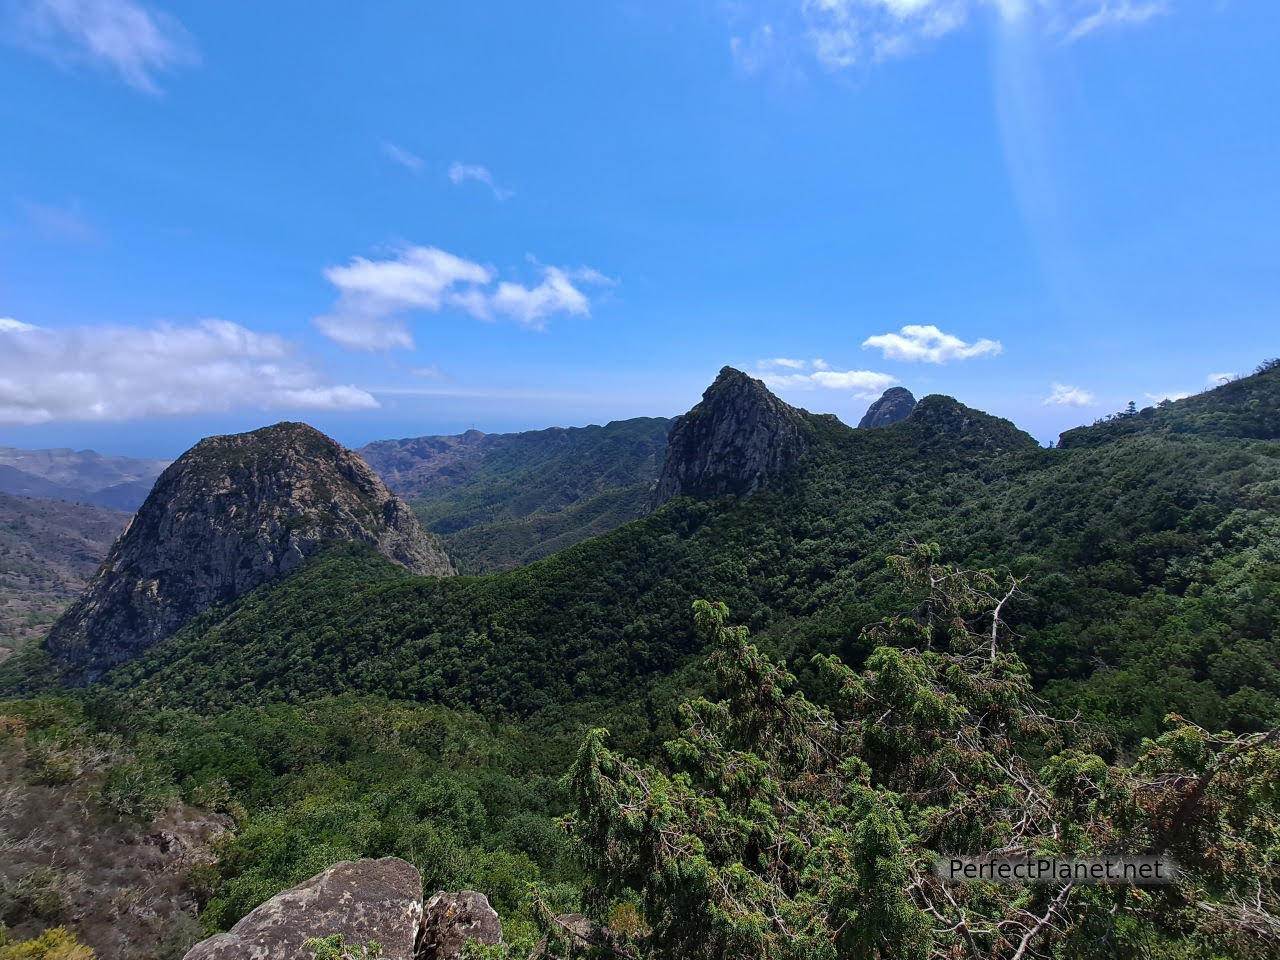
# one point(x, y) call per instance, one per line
point(230, 514)
point(737, 439)
point(894, 404)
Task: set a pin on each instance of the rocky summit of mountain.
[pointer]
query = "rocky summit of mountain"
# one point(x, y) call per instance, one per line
point(734, 441)
point(895, 404)
point(232, 513)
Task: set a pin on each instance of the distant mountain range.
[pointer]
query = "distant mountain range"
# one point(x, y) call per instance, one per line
point(78, 476)
point(503, 499)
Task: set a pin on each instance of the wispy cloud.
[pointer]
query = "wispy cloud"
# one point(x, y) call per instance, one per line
point(133, 41)
point(123, 373)
point(461, 173)
point(1218, 379)
point(926, 343)
point(817, 374)
point(1065, 395)
point(405, 158)
point(375, 297)
point(841, 34)
point(1115, 13)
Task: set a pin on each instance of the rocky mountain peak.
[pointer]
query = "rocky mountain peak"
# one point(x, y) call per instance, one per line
point(894, 404)
point(230, 514)
point(738, 438)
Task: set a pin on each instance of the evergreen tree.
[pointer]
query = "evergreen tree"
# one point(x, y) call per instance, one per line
point(788, 827)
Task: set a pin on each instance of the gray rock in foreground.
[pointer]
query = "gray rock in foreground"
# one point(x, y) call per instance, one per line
point(363, 900)
point(451, 919)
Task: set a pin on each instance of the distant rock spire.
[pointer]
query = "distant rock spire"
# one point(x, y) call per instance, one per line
point(894, 404)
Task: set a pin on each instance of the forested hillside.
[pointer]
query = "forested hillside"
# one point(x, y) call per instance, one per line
point(501, 500)
point(1151, 568)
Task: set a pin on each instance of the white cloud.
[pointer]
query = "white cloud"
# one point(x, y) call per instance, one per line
point(122, 373)
point(925, 342)
point(1115, 13)
point(1218, 379)
point(841, 34)
point(419, 278)
point(406, 158)
point(864, 384)
point(460, 173)
point(375, 295)
point(784, 363)
point(1065, 395)
point(532, 305)
point(127, 38)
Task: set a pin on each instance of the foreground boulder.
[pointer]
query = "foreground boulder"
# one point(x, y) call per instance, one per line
point(231, 514)
point(379, 900)
point(451, 919)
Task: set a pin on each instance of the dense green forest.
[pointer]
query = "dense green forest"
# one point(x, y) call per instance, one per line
point(352, 709)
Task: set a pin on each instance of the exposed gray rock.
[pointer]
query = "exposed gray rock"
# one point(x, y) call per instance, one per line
point(737, 439)
point(232, 513)
point(363, 900)
point(894, 404)
point(451, 919)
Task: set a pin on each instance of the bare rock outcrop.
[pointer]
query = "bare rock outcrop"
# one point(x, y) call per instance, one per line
point(232, 513)
point(450, 920)
point(365, 900)
point(895, 404)
point(736, 440)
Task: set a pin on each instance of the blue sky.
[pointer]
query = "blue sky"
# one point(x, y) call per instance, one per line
point(404, 218)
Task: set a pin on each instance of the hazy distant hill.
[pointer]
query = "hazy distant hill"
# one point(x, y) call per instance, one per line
point(503, 499)
point(82, 476)
point(48, 551)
